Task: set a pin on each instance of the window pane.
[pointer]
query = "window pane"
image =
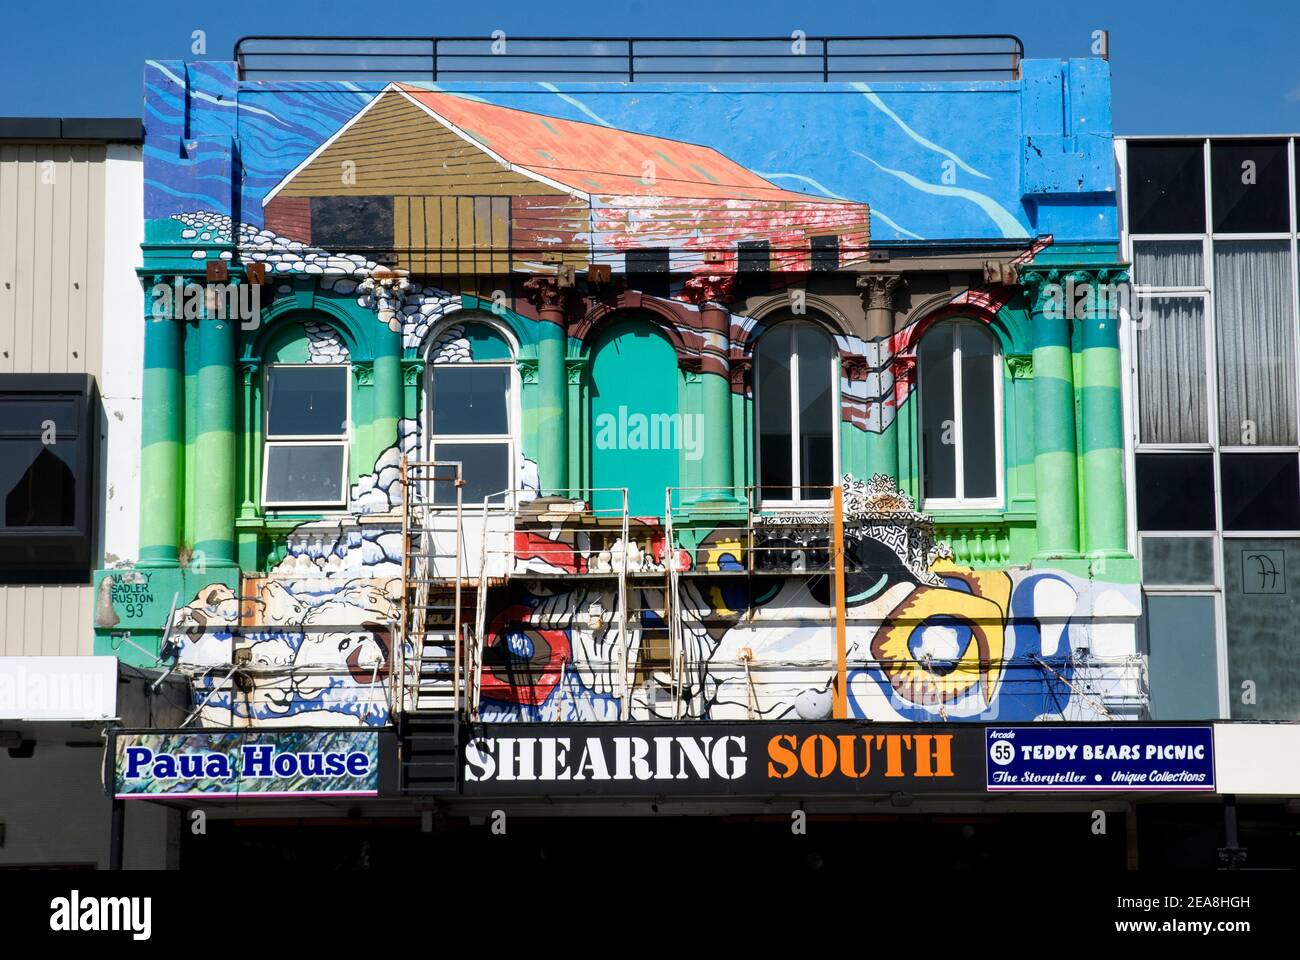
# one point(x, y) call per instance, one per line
point(1261, 581)
point(1172, 405)
point(1167, 263)
point(1175, 491)
point(1249, 183)
point(816, 413)
point(485, 468)
point(1183, 653)
point(38, 483)
point(470, 399)
point(978, 414)
point(1166, 187)
point(307, 401)
point(772, 384)
point(307, 474)
point(1178, 561)
point(353, 223)
point(938, 452)
point(1256, 342)
point(1261, 491)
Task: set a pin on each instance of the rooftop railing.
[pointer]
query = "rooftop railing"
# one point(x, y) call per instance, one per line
point(796, 58)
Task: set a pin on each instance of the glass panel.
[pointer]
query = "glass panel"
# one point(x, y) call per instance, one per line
point(1171, 371)
point(485, 468)
point(1175, 491)
point(1178, 561)
point(470, 400)
point(1166, 187)
point(38, 483)
point(28, 416)
point(1256, 342)
point(1183, 652)
point(1261, 491)
point(1261, 581)
point(1167, 263)
point(978, 413)
point(816, 412)
point(1249, 182)
point(304, 473)
point(306, 401)
point(938, 417)
point(772, 383)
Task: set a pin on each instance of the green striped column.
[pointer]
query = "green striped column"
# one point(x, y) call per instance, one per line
point(387, 390)
point(718, 473)
point(1055, 464)
point(1105, 521)
point(214, 444)
point(552, 382)
point(161, 440)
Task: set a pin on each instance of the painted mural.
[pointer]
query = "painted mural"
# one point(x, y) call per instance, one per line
point(402, 227)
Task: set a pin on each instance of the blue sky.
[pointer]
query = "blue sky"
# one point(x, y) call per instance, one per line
point(1189, 67)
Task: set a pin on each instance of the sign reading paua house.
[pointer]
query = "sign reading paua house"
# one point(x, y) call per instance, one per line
point(228, 764)
point(720, 759)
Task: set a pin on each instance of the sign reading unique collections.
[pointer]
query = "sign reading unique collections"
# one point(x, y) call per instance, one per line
point(1096, 757)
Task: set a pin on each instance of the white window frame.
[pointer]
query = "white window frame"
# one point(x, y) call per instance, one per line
point(961, 502)
point(796, 452)
point(269, 442)
point(510, 438)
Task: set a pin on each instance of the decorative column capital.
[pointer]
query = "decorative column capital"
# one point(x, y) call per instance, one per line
point(1020, 366)
point(573, 367)
point(363, 372)
point(527, 370)
point(544, 293)
point(715, 288)
point(878, 290)
point(854, 367)
point(248, 370)
point(740, 369)
point(412, 370)
point(904, 367)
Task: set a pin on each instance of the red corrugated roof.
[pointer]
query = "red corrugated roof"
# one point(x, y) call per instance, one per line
point(600, 160)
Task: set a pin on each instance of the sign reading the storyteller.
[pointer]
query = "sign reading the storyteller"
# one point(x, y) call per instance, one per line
point(297, 763)
point(1094, 757)
point(724, 759)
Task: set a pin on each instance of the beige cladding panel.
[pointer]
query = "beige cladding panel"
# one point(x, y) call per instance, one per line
point(46, 621)
point(396, 148)
point(51, 258)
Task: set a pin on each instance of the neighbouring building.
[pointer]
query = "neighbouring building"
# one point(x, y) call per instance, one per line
point(600, 444)
point(70, 193)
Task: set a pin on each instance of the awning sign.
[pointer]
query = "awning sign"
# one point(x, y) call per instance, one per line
point(719, 759)
point(1112, 757)
point(228, 764)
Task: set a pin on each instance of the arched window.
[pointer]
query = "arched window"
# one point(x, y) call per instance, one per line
point(960, 387)
point(796, 395)
point(471, 370)
point(306, 418)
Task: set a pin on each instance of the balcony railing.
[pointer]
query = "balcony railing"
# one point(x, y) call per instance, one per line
point(794, 58)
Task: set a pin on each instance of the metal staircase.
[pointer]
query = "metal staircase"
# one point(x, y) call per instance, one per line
point(438, 602)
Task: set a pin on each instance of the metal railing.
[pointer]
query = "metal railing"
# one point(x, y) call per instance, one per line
point(796, 58)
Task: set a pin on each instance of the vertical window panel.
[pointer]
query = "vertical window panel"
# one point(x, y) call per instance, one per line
point(978, 414)
point(1172, 402)
point(938, 413)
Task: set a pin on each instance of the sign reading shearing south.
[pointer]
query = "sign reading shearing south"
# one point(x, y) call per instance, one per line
point(1112, 757)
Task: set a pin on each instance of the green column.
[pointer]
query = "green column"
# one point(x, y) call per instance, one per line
point(1105, 521)
point(214, 446)
point(1055, 465)
point(718, 467)
point(162, 439)
point(387, 390)
point(552, 381)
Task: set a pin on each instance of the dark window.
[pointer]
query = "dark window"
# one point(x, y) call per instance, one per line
point(49, 428)
point(352, 223)
point(1248, 180)
point(795, 385)
point(753, 256)
point(825, 253)
point(306, 438)
point(1166, 187)
point(1175, 491)
point(648, 271)
point(959, 369)
point(1261, 491)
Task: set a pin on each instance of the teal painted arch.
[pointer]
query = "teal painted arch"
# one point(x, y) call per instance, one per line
point(351, 323)
point(492, 338)
point(523, 330)
point(593, 327)
point(1010, 324)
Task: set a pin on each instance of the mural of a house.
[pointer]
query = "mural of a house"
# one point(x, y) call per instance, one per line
point(441, 183)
